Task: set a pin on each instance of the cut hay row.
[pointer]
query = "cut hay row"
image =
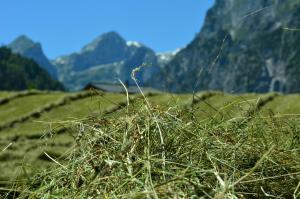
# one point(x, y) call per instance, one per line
point(6, 100)
point(125, 103)
point(108, 111)
point(197, 98)
point(22, 106)
point(283, 106)
point(30, 144)
point(29, 140)
point(261, 103)
point(254, 109)
point(37, 113)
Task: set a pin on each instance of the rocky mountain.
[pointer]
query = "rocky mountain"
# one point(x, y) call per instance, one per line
point(33, 50)
point(165, 57)
point(20, 73)
point(107, 59)
point(244, 46)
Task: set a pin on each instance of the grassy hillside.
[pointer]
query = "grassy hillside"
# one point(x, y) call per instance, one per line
point(212, 145)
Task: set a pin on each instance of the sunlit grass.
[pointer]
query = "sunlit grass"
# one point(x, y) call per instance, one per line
point(24, 105)
point(284, 105)
point(171, 149)
point(157, 152)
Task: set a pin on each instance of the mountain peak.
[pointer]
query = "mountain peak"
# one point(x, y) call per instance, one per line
point(109, 38)
point(111, 34)
point(23, 38)
point(21, 43)
point(26, 47)
point(105, 59)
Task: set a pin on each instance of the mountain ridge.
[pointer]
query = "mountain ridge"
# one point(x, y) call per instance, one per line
point(108, 57)
point(26, 47)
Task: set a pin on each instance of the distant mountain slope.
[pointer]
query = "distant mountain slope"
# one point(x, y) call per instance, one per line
point(165, 57)
point(258, 53)
point(19, 73)
point(106, 59)
point(30, 49)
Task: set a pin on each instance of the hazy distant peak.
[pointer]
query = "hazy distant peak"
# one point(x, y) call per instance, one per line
point(104, 59)
point(167, 56)
point(174, 52)
point(111, 34)
point(59, 60)
point(22, 43)
point(28, 48)
point(109, 37)
point(24, 38)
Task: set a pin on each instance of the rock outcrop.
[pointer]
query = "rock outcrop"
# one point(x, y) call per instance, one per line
point(244, 46)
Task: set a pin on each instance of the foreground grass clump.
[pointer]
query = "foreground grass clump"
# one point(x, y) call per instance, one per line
point(146, 152)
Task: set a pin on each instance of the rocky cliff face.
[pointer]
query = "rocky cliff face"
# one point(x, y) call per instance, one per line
point(106, 59)
point(244, 46)
point(33, 50)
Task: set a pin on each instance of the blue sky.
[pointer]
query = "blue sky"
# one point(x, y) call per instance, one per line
point(64, 26)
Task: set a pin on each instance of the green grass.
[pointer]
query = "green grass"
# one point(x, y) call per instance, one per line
point(284, 105)
point(172, 149)
point(224, 106)
point(169, 100)
point(155, 152)
point(21, 106)
point(35, 136)
point(4, 94)
point(77, 110)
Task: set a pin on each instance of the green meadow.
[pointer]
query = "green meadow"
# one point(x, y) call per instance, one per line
point(151, 145)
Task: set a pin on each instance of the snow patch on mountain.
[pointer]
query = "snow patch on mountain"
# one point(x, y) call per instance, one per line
point(134, 43)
